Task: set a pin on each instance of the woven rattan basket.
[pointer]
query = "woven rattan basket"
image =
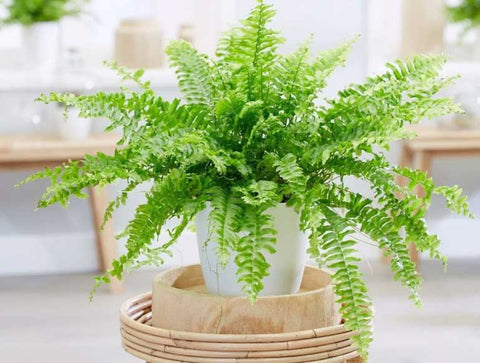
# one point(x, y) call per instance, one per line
point(157, 345)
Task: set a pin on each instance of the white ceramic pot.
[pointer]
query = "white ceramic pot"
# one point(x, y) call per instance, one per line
point(475, 45)
point(286, 265)
point(41, 45)
point(74, 127)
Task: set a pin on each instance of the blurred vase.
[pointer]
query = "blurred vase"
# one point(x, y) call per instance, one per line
point(186, 32)
point(139, 44)
point(469, 100)
point(470, 103)
point(475, 44)
point(74, 127)
point(41, 45)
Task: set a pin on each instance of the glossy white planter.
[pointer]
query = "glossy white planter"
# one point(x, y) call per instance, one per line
point(286, 265)
point(41, 45)
point(74, 127)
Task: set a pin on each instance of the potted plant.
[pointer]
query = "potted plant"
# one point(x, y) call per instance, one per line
point(70, 125)
point(40, 27)
point(466, 12)
point(253, 153)
point(74, 127)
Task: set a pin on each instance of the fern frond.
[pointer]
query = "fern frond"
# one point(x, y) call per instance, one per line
point(73, 177)
point(327, 61)
point(262, 193)
point(375, 112)
point(335, 240)
point(224, 222)
point(299, 79)
point(379, 226)
point(292, 173)
point(456, 200)
point(193, 72)
point(251, 51)
point(401, 207)
point(292, 74)
point(119, 201)
point(172, 196)
point(250, 258)
point(126, 75)
point(411, 210)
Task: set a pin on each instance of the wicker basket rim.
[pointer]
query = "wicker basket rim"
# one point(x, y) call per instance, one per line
point(248, 350)
point(155, 359)
point(242, 346)
point(130, 336)
point(185, 358)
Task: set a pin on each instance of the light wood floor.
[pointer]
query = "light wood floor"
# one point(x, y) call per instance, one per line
point(49, 318)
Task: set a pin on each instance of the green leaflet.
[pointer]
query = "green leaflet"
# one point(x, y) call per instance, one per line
point(224, 222)
point(251, 51)
point(193, 72)
point(260, 194)
point(335, 241)
point(250, 259)
point(250, 135)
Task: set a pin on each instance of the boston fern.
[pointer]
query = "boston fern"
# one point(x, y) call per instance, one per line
point(254, 132)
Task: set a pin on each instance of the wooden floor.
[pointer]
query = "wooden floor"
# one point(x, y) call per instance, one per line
point(49, 318)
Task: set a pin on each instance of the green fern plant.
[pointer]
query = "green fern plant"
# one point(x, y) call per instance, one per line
point(467, 12)
point(28, 12)
point(251, 134)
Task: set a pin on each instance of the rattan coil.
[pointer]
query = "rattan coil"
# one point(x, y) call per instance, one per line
point(327, 345)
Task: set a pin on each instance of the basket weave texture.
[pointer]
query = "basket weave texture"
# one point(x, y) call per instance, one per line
point(157, 345)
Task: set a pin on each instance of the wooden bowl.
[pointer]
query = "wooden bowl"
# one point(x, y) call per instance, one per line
point(183, 290)
point(157, 345)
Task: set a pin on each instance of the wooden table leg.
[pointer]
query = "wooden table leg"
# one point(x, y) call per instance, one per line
point(106, 242)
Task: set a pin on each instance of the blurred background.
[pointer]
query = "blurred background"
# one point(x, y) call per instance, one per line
point(48, 258)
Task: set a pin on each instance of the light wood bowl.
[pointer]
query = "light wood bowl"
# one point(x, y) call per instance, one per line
point(183, 289)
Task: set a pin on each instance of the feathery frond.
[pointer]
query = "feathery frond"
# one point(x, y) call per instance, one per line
point(193, 72)
point(224, 222)
point(250, 258)
point(251, 51)
point(335, 240)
